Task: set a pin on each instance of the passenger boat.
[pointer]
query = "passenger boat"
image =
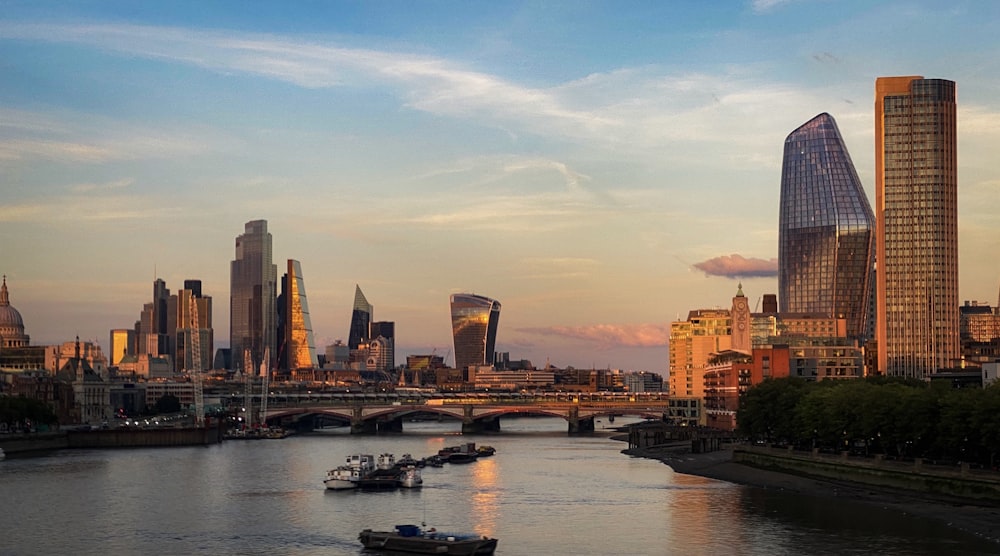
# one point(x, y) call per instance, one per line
point(342, 478)
point(348, 476)
point(416, 540)
point(386, 462)
point(409, 477)
point(465, 453)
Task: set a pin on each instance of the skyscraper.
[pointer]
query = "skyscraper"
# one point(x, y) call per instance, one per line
point(826, 227)
point(916, 198)
point(474, 321)
point(361, 320)
point(298, 350)
point(252, 290)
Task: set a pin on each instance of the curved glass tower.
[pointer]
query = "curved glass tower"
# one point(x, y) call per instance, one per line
point(474, 321)
point(826, 227)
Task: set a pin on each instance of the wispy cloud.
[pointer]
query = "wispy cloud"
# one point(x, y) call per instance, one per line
point(609, 336)
point(737, 266)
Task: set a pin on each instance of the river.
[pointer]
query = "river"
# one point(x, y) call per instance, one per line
point(543, 493)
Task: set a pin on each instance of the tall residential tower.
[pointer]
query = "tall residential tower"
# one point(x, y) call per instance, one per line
point(916, 198)
point(826, 227)
point(253, 283)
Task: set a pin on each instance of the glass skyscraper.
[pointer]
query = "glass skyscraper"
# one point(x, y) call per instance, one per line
point(826, 227)
point(299, 349)
point(916, 198)
point(361, 320)
point(253, 287)
point(474, 321)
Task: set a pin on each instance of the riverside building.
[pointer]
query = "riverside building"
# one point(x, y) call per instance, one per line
point(916, 197)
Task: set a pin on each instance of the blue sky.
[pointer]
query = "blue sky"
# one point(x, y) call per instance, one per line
point(598, 167)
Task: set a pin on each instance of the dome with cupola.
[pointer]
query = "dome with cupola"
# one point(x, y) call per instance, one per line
point(11, 325)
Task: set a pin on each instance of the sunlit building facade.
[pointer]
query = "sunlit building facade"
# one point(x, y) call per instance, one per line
point(253, 283)
point(299, 349)
point(916, 197)
point(692, 343)
point(474, 322)
point(826, 229)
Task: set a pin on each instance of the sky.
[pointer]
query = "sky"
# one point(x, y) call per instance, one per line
point(600, 168)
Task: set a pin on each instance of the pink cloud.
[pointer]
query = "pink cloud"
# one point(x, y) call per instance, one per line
point(737, 266)
point(608, 336)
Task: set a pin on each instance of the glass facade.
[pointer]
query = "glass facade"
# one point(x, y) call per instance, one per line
point(474, 321)
point(361, 320)
point(253, 284)
point(916, 187)
point(299, 348)
point(826, 229)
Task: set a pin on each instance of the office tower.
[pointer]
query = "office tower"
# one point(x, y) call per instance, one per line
point(826, 227)
point(298, 349)
point(122, 343)
point(386, 330)
point(253, 282)
point(153, 336)
point(361, 319)
point(474, 321)
point(192, 313)
point(916, 197)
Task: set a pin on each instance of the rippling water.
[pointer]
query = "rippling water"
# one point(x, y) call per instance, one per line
point(543, 493)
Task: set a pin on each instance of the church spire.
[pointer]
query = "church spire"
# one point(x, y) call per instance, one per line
point(4, 297)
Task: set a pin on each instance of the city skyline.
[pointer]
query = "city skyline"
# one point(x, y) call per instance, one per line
point(585, 164)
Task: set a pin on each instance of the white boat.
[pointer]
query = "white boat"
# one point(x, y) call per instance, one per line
point(342, 478)
point(386, 462)
point(347, 476)
point(409, 477)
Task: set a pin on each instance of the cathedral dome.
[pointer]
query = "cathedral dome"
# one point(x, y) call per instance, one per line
point(11, 325)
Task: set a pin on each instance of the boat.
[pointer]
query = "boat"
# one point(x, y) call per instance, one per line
point(349, 476)
point(409, 477)
point(386, 462)
point(407, 460)
point(342, 478)
point(485, 451)
point(465, 453)
point(415, 540)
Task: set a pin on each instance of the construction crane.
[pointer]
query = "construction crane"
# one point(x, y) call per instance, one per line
point(195, 369)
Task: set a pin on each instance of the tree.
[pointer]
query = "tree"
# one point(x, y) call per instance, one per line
point(168, 403)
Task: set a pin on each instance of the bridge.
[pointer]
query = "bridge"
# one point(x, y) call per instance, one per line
point(369, 413)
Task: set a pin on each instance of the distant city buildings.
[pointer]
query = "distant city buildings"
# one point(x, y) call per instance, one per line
point(916, 191)
point(361, 319)
point(252, 300)
point(825, 230)
point(474, 322)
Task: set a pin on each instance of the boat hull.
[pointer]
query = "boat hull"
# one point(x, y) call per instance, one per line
point(389, 540)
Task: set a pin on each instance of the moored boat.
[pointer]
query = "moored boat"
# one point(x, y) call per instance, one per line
point(409, 477)
point(342, 478)
point(415, 540)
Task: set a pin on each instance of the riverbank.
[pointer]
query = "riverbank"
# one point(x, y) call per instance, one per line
point(972, 516)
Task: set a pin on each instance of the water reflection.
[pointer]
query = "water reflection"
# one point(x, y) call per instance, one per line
point(485, 497)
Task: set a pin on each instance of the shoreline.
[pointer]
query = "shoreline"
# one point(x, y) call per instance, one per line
point(970, 516)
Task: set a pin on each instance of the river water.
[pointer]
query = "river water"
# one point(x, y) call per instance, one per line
point(544, 492)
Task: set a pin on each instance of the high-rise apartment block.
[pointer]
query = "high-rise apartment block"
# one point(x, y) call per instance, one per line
point(916, 197)
point(474, 322)
point(253, 283)
point(826, 227)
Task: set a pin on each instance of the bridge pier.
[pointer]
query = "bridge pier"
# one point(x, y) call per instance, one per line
point(578, 425)
point(481, 425)
point(392, 425)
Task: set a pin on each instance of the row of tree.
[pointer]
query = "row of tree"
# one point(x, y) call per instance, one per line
point(878, 415)
point(18, 413)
